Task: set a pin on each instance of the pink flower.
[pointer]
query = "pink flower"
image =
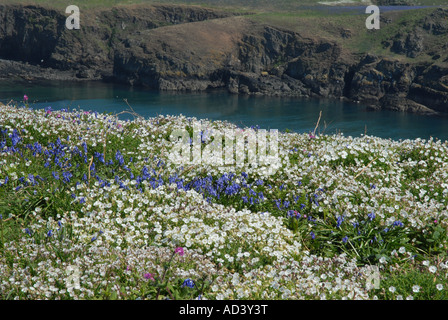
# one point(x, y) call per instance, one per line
point(180, 251)
point(25, 97)
point(149, 276)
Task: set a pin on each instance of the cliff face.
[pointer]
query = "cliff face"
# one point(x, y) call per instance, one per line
point(192, 48)
point(37, 35)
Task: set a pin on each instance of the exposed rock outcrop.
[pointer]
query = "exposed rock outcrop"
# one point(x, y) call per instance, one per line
point(194, 49)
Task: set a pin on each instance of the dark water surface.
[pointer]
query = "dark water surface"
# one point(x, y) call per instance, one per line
point(299, 115)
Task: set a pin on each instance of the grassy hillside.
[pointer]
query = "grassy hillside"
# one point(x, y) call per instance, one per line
point(92, 207)
point(259, 5)
point(345, 27)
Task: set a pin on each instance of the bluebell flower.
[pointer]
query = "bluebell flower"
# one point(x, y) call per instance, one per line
point(66, 176)
point(27, 231)
point(84, 146)
point(278, 203)
point(312, 235)
point(371, 216)
point(345, 239)
point(49, 233)
point(188, 283)
point(15, 138)
point(339, 221)
point(397, 224)
point(119, 157)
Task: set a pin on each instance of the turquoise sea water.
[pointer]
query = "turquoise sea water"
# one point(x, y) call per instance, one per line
point(295, 114)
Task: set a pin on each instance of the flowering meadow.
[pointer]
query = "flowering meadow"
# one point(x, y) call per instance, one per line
point(93, 207)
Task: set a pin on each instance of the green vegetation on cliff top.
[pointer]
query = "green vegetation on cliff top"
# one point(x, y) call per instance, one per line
point(277, 5)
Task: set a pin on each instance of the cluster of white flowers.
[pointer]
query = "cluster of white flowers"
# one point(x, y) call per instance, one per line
point(123, 231)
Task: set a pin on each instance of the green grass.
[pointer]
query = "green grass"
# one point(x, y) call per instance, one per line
point(257, 5)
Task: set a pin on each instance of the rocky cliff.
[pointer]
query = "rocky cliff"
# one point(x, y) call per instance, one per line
point(192, 48)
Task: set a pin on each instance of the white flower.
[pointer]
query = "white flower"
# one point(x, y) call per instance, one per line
point(432, 269)
point(416, 288)
point(392, 289)
point(382, 260)
point(439, 287)
point(402, 250)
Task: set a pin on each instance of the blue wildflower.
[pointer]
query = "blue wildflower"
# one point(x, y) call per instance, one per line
point(339, 221)
point(66, 176)
point(397, 224)
point(188, 283)
point(119, 157)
